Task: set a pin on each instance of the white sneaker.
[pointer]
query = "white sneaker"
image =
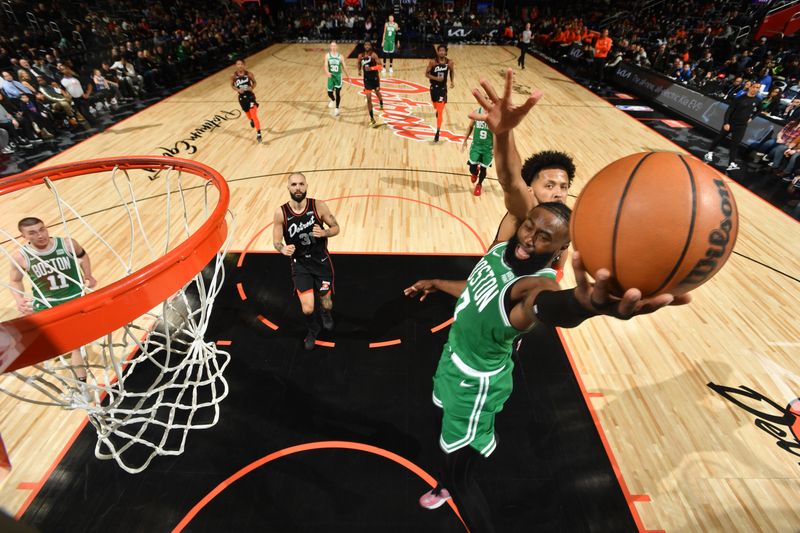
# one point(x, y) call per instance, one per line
point(733, 166)
point(336, 112)
point(331, 104)
point(383, 72)
point(391, 70)
point(765, 157)
point(709, 156)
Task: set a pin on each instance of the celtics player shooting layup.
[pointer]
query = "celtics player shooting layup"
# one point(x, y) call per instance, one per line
point(54, 266)
point(480, 153)
point(437, 72)
point(243, 82)
point(334, 65)
point(510, 291)
point(390, 29)
point(368, 62)
point(300, 222)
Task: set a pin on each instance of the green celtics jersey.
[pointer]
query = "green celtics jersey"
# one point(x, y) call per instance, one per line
point(481, 334)
point(335, 65)
point(54, 272)
point(391, 35)
point(481, 135)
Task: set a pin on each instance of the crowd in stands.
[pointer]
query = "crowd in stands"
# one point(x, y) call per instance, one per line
point(63, 65)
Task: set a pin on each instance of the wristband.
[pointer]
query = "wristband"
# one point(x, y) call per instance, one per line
point(560, 309)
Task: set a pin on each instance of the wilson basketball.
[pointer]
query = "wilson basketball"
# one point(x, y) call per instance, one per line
point(659, 221)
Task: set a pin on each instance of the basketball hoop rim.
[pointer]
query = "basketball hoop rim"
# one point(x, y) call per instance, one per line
point(70, 325)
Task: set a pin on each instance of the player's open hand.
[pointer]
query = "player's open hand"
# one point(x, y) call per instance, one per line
point(423, 287)
point(25, 306)
point(288, 250)
point(500, 113)
point(597, 297)
point(318, 232)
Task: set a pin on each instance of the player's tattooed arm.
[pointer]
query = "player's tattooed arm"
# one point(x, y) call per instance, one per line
point(325, 214)
point(277, 234)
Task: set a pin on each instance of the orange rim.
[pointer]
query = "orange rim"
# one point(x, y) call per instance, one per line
point(58, 330)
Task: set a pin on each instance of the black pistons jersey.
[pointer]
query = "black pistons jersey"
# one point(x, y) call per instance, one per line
point(440, 69)
point(242, 81)
point(367, 62)
point(298, 230)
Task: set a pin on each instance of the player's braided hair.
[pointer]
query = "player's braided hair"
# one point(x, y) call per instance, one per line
point(547, 159)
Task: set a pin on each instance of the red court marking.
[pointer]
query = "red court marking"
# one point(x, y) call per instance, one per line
point(269, 324)
point(614, 465)
point(640, 497)
point(26, 485)
point(681, 149)
point(325, 344)
point(325, 445)
point(387, 196)
point(594, 394)
point(224, 343)
point(442, 325)
point(384, 343)
point(240, 288)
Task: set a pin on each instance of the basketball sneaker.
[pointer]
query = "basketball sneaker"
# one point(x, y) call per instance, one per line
point(433, 499)
point(709, 156)
point(336, 112)
point(383, 72)
point(309, 341)
point(372, 123)
point(391, 70)
point(331, 104)
point(473, 178)
point(258, 137)
point(733, 166)
point(327, 320)
point(436, 137)
point(477, 190)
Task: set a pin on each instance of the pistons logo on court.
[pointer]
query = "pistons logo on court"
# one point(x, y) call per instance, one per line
point(779, 422)
point(397, 110)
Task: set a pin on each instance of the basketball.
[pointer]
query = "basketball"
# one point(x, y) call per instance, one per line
point(659, 221)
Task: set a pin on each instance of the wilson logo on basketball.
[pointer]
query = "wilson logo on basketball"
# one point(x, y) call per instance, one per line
point(718, 240)
point(779, 422)
point(397, 110)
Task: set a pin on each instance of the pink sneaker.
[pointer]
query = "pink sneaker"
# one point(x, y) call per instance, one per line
point(431, 500)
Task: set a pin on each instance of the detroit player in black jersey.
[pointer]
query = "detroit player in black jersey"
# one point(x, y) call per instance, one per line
point(300, 223)
point(437, 71)
point(369, 63)
point(243, 82)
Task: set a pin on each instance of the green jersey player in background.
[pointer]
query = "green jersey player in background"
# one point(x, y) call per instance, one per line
point(480, 153)
point(390, 29)
point(334, 66)
point(511, 290)
point(52, 265)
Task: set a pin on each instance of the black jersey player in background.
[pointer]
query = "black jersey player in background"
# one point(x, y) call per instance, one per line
point(243, 83)
point(301, 222)
point(370, 64)
point(437, 71)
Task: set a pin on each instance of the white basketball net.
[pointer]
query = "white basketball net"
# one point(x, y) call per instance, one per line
point(150, 382)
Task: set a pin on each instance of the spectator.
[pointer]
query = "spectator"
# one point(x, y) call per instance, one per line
point(73, 86)
point(740, 112)
point(12, 88)
point(602, 46)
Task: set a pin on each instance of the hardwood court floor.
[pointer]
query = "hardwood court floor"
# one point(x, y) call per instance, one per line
point(691, 460)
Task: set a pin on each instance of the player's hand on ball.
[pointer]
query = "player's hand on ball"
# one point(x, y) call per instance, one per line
point(318, 232)
point(288, 250)
point(423, 287)
point(500, 113)
point(597, 296)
